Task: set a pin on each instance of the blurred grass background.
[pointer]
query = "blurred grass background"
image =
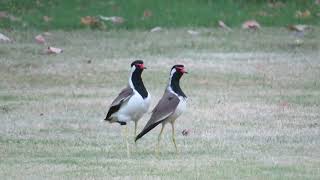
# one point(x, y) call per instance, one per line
point(166, 13)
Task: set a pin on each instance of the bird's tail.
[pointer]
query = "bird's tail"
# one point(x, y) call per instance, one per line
point(146, 130)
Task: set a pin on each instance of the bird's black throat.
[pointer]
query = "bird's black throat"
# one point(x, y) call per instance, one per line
point(175, 84)
point(138, 83)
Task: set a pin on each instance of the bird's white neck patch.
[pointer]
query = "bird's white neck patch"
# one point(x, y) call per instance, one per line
point(171, 74)
point(133, 68)
point(169, 83)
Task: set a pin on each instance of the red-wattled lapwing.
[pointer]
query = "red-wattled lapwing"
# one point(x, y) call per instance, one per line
point(132, 102)
point(169, 107)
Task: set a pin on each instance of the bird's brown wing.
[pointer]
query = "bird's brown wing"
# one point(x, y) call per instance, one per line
point(165, 107)
point(124, 95)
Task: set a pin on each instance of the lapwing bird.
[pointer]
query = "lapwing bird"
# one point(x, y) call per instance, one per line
point(132, 102)
point(170, 106)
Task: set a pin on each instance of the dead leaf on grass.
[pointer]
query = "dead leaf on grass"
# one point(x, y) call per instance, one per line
point(186, 132)
point(147, 14)
point(223, 25)
point(54, 50)
point(303, 14)
point(89, 21)
point(113, 19)
point(277, 4)
point(298, 27)
point(193, 33)
point(251, 24)
point(40, 39)
point(156, 29)
point(47, 18)
point(4, 38)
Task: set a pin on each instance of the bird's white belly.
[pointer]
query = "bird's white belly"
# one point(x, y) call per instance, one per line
point(180, 108)
point(134, 109)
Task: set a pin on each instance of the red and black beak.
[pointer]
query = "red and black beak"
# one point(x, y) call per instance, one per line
point(182, 70)
point(141, 66)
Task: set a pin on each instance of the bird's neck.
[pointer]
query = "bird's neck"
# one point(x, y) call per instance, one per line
point(174, 84)
point(136, 82)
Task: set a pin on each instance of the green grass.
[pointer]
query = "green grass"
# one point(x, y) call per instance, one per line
point(253, 106)
point(165, 13)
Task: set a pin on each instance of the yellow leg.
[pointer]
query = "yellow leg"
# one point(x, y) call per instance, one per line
point(127, 143)
point(159, 138)
point(173, 137)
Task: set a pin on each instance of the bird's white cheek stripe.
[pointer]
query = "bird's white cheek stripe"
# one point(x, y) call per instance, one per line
point(171, 74)
point(133, 68)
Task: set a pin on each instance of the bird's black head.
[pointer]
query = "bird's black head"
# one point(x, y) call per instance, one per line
point(137, 68)
point(138, 64)
point(176, 73)
point(179, 68)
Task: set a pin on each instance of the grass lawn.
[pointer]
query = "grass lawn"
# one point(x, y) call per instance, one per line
point(146, 14)
point(253, 106)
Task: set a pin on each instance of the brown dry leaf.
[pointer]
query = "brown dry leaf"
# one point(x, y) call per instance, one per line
point(298, 27)
point(3, 14)
point(277, 4)
point(147, 13)
point(47, 18)
point(251, 24)
point(186, 132)
point(223, 25)
point(89, 21)
point(54, 50)
point(40, 39)
point(304, 14)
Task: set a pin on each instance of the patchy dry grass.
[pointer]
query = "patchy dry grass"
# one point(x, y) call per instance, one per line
point(253, 108)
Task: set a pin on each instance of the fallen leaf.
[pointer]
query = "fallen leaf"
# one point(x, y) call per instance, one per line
point(298, 27)
point(304, 14)
point(186, 132)
point(54, 50)
point(113, 19)
point(223, 26)
point(277, 4)
point(156, 29)
point(89, 21)
point(147, 13)
point(251, 24)
point(47, 18)
point(3, 14)
point(40, 39)
point(4, 38)
point(194, 33)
